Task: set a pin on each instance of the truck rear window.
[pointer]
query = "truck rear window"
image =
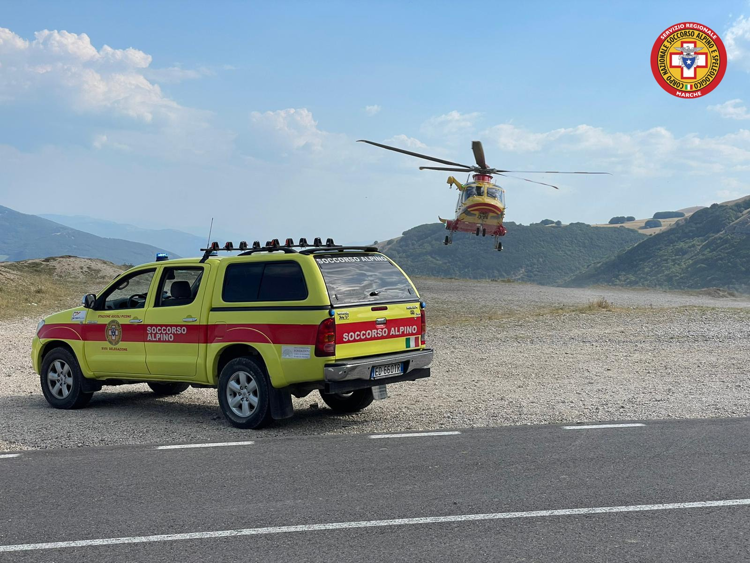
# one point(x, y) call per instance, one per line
point(363, 279)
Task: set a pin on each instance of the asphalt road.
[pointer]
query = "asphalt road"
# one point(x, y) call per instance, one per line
point(542, 493)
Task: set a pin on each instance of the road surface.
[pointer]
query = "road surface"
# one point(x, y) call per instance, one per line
point(658, 491)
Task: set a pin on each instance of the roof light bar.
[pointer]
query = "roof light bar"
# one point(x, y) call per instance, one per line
point(243, 245)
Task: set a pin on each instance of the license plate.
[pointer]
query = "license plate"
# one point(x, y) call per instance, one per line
point(387, 370)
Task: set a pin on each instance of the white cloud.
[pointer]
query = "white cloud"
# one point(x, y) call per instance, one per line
point(402, 141)
point(176, 74)
point(451, 123)
point(372, 110)
point(737, 42)
point(654, 152)
point(66, 68)
point(733, 109)
point(292, 128)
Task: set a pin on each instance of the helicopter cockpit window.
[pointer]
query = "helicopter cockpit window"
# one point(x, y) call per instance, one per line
point(469, 191)
point(497, 194)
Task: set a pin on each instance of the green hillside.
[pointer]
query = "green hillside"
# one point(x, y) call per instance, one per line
point(534, 253)
point(27, 236)
point(711, 248)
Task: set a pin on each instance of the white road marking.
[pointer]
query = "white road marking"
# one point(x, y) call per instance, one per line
point(414, 434)
point(373, 524)
point(209, 445)
point(596, 426)
point(6, 456)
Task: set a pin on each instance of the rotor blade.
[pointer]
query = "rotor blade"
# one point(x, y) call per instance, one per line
point(527, 180)
point(413, 154)
point(476, 146)
point(445, 169)
point(548, 172)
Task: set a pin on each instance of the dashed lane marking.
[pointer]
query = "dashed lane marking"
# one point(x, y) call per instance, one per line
point(415, 434)
point(209, 445)
point(8, 456)
point(373, 524)
point(598, 426)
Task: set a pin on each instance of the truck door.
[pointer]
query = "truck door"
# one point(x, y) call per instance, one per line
point(114, 329)
point(175, 332)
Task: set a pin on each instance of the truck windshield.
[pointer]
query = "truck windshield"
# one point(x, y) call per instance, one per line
point(365, 278)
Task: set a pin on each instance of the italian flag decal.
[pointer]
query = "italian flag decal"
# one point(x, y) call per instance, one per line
point(412, 342)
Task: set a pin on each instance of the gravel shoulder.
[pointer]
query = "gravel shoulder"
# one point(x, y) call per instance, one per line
point(506, 353)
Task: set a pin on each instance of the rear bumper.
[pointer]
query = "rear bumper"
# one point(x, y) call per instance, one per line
point(349, 375)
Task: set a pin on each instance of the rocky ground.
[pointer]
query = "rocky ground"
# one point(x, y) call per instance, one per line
point(506, 353)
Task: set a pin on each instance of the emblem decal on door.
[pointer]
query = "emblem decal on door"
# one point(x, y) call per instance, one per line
point(113, 332)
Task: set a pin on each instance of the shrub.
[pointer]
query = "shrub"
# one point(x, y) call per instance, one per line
point(668, 215)
point(652, 224)
point(629, 218)
point(546, 222)
point(617, 220)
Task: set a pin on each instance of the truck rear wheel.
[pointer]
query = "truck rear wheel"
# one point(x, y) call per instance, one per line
point(348, 402)
point(62, 380)
point(244, 392)
point(166, 389)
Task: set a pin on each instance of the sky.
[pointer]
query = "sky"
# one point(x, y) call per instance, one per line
point(168, 114)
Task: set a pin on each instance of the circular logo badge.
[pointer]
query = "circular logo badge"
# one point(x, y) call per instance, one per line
point(113, 332)
point(688, 60)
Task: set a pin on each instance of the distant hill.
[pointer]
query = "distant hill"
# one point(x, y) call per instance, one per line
point(28, 236)
point(38, 287)
point(534, 253)
point(639, 224)
point(711, 248)
point(176, 242)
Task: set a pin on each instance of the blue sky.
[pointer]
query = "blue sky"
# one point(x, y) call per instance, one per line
point(248, 112)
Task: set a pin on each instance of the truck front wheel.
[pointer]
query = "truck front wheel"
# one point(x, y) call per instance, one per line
point(348, 402)
point(244, 394)
point(62, 380)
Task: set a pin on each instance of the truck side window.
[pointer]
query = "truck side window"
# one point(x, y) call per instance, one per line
point(178, 286)
point(258, 281)
point(241, 282)
point(283, 282)
point(128, 293)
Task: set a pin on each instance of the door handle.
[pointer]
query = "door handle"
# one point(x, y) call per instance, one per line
point(189, 320)
point(136, 320)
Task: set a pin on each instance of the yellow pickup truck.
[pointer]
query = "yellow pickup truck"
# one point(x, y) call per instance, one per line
point(271, 322)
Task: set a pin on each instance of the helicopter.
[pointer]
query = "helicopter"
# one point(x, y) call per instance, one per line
point(480, 209)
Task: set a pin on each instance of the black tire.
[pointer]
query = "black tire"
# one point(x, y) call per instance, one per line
point(61, 366)
point(239, 372)
point(447, 241)
point(167, 389)
point(348, 402)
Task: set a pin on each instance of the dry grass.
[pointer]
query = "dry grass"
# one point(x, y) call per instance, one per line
point(33, 288)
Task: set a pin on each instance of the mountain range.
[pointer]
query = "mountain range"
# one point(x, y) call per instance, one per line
point(25, 236)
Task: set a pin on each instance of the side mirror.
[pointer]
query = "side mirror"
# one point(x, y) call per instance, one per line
point(88, 300)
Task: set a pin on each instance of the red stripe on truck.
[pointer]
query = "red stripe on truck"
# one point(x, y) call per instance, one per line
point(186, 334)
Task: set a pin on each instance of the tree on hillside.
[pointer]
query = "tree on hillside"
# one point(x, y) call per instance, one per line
point(668, 215)
point(652, 224)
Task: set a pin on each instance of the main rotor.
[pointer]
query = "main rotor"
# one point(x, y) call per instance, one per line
point(481, 167)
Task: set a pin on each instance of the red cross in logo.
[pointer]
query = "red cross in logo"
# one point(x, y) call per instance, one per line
point(701, 61)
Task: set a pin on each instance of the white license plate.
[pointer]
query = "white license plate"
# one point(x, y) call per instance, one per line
point(387, 370)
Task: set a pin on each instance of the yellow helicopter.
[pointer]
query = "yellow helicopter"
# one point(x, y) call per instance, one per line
point(480, 209)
